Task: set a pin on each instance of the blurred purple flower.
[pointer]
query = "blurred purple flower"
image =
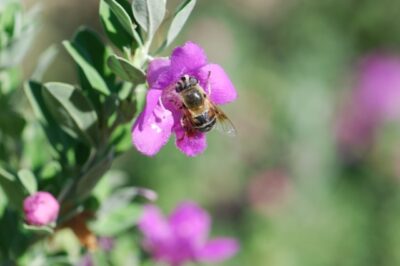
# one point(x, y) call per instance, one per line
point(160, 118)
point(183, 237)
point(375, 99)
point(85, 260)
point(106, 243)
point(41, 209)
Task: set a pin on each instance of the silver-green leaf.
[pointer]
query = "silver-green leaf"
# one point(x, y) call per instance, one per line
point(12, 188)
point(149, 14)
point(94, 78)
point(125, 70)
point(122, 16)
point(117, 221)
point(179, 20)
point(45, 59)
point(72, 110)
point(28, 180)
point(89, 180)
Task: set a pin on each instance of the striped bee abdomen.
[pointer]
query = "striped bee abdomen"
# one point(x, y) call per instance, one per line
point(204, 122)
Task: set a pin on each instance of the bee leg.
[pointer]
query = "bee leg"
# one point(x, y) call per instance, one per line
point(185, 132)
point(184, 123)
point(189, 131)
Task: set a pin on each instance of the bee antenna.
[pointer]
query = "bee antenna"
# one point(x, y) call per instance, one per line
point(179, 86)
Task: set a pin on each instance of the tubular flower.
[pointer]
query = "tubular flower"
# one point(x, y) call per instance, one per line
point(41, 209)
point(160, 118)
point(183, 236)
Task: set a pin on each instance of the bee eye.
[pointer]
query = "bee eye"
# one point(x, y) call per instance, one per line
point(193, 81)
point(178, 87)
point(183, 78)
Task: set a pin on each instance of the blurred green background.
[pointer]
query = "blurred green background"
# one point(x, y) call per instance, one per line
point(282, 186)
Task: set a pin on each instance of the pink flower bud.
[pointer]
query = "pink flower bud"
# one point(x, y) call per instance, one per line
point(41, 209)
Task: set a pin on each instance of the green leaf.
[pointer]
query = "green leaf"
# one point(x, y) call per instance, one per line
point(58, 138)
point(125, 70)
point(45, 59)
point(10, 221)
point(179, 20)
point(72, 110)
point(127, 110)
point(140, 94)
point(121, 139)
point(39, 229)
point(28, 180)
point(8, 16)
point(89, 180)
point(10, 79)
point(92, 75)
point(118, 221)
point(33, 91)
point(6, 174)
point(12, 188)
point(95, 53)
point(11, 122)
point(50, 169)
point(17, 38)
point(149, 14)
point(34, 140)
point(122, 16)
point(115, 31)
point(117, 213)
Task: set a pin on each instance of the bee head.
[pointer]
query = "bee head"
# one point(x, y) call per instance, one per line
point(193, 81)
point(185, 82)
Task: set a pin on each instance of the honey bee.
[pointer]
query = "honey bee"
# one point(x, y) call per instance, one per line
point(199, 112)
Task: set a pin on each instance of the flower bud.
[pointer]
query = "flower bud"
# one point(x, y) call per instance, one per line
point(41, 209)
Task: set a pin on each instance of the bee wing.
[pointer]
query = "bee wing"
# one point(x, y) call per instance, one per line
point(224, 124)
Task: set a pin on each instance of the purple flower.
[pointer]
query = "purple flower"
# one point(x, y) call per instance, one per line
point(183, 236)
point(375, 99)
point(106, 243)
point(41, 209)
point(85, 260)
point(159, 118)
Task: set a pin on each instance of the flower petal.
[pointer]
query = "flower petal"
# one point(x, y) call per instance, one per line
point(190, 224)
point(158, 237)
point(151, 132)
point(218, 249)
point(153, 225)
point(152, 98)
point(187, 58)
point(220, 88)
point(155, 68)
point(190, 145)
